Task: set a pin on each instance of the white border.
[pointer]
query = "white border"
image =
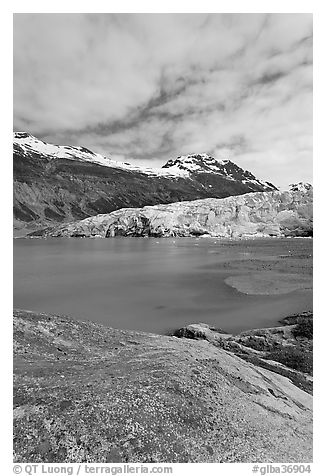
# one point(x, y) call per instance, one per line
point(168, 6)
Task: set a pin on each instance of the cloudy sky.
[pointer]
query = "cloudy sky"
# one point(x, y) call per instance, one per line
point(144, 88)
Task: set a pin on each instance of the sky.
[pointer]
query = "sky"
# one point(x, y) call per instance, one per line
point(144, 88)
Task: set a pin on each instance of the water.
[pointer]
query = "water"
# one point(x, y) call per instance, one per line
point(148, 284)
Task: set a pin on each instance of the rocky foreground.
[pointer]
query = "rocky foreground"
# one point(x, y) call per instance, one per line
point(257, 214)
point(87, 393)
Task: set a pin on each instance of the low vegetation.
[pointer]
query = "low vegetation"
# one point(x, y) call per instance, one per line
point(294, 357)
point(304, 328)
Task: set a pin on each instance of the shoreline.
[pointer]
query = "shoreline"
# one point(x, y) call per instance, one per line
point(194, 237)
point(286, 349)
point(268, 283)
point(282, 321)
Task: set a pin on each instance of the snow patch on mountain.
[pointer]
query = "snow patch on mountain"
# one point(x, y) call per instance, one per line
point(197, 163)
point(204, 163)
point(300, 187)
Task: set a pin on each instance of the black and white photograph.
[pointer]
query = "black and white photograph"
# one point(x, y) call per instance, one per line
point(162, 241)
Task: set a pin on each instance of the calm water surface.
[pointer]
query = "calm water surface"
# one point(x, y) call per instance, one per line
point(147, 284)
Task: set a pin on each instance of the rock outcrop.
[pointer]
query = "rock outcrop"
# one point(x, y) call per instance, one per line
point(260, 214)
point(286, 350)
point(87, 393)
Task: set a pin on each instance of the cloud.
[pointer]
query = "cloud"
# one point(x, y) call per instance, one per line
point(147, 87)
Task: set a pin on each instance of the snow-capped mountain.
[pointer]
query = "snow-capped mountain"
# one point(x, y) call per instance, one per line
point(182, 166)
point(30, 144)
point(204, 163)
point(300, 187)
point(55, 183)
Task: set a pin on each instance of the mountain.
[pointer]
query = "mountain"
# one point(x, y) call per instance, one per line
point(276, 213)
point(54, 183)
point(208, 170)
point(27, 144)
point(87, 392)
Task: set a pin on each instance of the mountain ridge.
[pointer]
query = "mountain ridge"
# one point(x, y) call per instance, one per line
point(181, 166)
point(27, 142)
point(58, 184)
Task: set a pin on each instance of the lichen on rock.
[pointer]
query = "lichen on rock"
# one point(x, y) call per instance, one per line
point(84, 392)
